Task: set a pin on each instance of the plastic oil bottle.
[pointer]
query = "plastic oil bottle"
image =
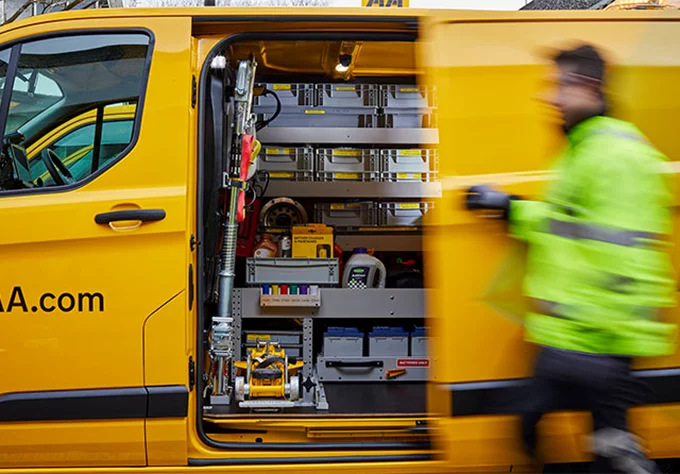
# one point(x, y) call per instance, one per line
point(363, 271)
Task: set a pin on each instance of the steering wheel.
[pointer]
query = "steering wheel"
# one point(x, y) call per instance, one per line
point(59, 173)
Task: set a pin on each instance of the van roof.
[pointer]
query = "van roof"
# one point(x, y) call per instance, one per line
point(224, 14)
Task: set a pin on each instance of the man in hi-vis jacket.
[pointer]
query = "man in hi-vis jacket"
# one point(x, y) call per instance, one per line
point(599, 274)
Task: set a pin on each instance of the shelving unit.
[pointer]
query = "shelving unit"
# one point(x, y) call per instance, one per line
point(357, 136)
point(349, 189)
point(338, 303)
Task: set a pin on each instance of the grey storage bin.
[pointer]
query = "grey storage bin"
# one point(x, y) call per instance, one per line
point(336, 164)
point(291, 341)
point(305, 271)
point(314, 117)
point(343, 342)
point(407, 96)
point(347, 95)
point(418, 164)
point(286, 163)
point(407, 118)
point(419, 343)
point(388, 341)
point(290, 95)
point(346, 217)
point(403, 214)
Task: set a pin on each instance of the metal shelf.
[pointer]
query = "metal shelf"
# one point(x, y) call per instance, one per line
point(340, 303)
point(382, 242)
point(364, 136)
point(349, 189)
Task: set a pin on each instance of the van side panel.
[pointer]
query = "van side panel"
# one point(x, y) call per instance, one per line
point(493, 130)
point(51, 245)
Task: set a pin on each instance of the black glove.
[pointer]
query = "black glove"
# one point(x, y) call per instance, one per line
point(484, 197)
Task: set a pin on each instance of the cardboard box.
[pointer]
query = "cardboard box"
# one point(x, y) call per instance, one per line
point(312, 241)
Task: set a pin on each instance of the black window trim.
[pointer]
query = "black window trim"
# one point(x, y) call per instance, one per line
point(141, 100)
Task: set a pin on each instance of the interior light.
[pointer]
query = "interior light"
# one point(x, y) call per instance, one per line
point(344, 61)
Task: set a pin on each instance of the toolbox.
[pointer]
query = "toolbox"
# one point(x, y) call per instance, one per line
point(352, 164)
point(343, 342)
point(403, 214)
point(346, 217)
point(287, 163)
point(388, 341)
point(417, 164)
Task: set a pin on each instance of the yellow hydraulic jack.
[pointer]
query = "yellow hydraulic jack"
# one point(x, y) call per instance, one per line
point(268, 379)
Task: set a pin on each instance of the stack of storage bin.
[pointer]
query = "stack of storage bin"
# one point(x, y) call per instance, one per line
point(407, 106)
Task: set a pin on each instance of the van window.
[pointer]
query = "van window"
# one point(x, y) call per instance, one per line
point(58, 80)
point(75, 146)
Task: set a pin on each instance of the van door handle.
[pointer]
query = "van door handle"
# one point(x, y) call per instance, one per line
point(144, 215)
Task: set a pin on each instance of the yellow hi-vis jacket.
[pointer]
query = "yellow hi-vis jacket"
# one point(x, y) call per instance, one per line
point(599, 271)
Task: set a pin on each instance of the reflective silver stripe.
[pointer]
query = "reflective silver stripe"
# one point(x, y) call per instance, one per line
point(549, 308)
point(582, 231)
point(559, 310)
point(618, 283)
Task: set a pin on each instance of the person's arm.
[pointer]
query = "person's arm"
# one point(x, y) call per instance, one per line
point(523, 216)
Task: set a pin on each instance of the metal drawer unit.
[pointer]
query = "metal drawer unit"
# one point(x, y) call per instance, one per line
point(418, 164)
point(278, 271)
point(403, 214)
point(372, 369)
point(316, 117)
point(290, 95)
point(407, 118)
point(346, 217)
point(286, 163)
point(346, 95)
point(337, 164)
point(407, 97)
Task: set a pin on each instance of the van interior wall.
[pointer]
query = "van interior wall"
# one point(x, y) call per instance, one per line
point(361, 341)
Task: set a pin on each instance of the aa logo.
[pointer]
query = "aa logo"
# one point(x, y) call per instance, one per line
point(385, 3)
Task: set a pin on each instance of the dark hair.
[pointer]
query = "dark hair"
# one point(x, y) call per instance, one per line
point(585, 60)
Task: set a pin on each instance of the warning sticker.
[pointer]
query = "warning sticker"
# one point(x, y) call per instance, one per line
point(413, 362)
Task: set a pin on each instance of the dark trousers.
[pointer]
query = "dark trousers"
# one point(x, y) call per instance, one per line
point(568, 380)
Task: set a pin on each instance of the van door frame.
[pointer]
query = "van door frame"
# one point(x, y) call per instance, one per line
point(411, 24)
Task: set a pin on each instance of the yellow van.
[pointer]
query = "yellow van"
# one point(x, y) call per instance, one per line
point(156, 315)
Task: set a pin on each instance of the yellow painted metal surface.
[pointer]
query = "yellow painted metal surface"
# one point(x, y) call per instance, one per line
point(51, 244)
point(491, 128)
point(494, 130)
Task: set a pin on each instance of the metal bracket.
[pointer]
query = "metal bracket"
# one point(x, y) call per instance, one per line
point(227, 182)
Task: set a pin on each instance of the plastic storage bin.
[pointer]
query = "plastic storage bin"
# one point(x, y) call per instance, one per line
point(327, 117)
point(403, 214)
point(386, 341)
point(418, 342)
point(343, 342)
point(290, 95)
point(346, 217)
point(278, 271)
point(407, 118)
point(347, 95)
point(337, 164)
point(406, 96)
point(418, 164)
point(286, 163)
